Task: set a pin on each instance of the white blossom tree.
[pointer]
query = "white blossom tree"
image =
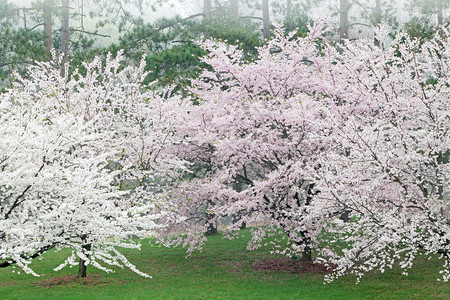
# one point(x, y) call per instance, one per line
point(74, 153)
point(388, 163)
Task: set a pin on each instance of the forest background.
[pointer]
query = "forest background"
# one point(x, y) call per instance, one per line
point(165, 32)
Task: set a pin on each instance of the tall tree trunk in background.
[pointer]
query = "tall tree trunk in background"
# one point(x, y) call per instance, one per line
point(234, 7)
point(343, 19)
point(439, 12)
point(47, 13)
point(266, 19)
point(377, 19)
point(24, 19)
point(64, 46)
point(288, 9)
point(207, 15)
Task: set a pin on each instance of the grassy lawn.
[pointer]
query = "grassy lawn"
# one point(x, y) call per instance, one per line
point(223, 270)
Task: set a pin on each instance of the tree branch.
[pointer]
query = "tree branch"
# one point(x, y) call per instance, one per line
point(251, 17)
point(168, 25)
point(39, 252)
point(35, 26)
point(88, 32)
point(17, 201)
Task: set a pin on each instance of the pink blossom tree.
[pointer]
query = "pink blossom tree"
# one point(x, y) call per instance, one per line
point(255, 126)
point(311, 132)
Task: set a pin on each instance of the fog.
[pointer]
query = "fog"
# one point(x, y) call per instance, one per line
point(185, 8)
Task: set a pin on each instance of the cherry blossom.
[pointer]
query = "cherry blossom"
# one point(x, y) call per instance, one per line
point(80, 159)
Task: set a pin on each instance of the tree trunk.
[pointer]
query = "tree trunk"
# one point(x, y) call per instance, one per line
point(82, 266)
point(24, 19)
point(212, 228)
point(288, 9)
point(343, 19)
point(48, 44)
point(307, 252)
point(82, 269)
point(238, 187)
point(210, 216)
point(234, 7)
point(243, 225)
point(64, 46)
point(377, 19)
point(266, 19)
point(439, 12)
point(207, 15)
point(236, 218)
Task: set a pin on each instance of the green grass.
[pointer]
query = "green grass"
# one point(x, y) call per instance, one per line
point(223, 270)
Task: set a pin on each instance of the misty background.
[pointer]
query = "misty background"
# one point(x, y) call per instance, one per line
point(149, 11)
point(165, 32)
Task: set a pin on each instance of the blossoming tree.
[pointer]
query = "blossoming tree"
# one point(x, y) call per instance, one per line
point(74, 155)
point(388, 161)
point(311, 132)
point(255, 127)
point(290, 141)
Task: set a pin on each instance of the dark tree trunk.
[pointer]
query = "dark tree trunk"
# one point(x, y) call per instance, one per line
point(343, 19)
point(48, 6)
point(210, 220)
point(212, 228)
point(236, 218)
point(306, 240)
point(238, 187)
point(82, 267)
point(307, 251)
point(243, 225)
point(266, 19)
